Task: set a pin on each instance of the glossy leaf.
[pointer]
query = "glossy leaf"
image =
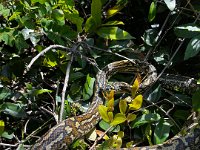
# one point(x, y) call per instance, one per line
point(152, 12)
point(189, 30)
point(153, 94)
point(118, 118)
point(113, 33)
point(193, 47)
point(145, 118)
point(103, 112)
point(171, 4)
point(15, 110)
point(136, 103)
point(161, 132)
point(123, 106)
point(88, 87)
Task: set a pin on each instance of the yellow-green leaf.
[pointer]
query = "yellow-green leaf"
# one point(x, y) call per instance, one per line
point(2, 126)
point(110, 116)
point(123, 106)
point(120, 134)
point(103, 112)
point(119, 118)
point(136, 103)
point(135, 87)
point(131, 117)
point(117, 141)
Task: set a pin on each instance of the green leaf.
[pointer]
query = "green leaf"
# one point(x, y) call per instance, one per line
point(40, 1)
point(193, 47)
point(118, 118)
point(152, 12)
point(171, 4)
point(122, 106)
point(105, 125)
point(41, 91)
point(7, 135)
point(76, 75)
point(153, 94)
point(113, 23)
point(58, 15)
point(189, 30)
point(103, 111)
point(161, 132)
point(74, 18)
point(4, 11)
point(96, 11)
point(145, 118)
point(15, 110)
point(113, 33)
point(88, 87)
point(5, 93)
point(90, 25)
point(196, 101)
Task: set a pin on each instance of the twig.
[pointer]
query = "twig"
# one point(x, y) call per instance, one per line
point(95, 142)
point(107, 51)
point(43, 52)
point(65, 87)
point(73, 49)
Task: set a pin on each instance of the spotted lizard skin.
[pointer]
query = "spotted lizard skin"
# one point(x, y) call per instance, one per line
point(64, 133)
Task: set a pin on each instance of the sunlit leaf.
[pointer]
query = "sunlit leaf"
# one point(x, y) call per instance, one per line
point(136, 103)
point(135, 86)
point(112, 11)
point(92, 136)
point(171, 4)
point(117, 142)
point(161, 132)
point(122, 106)
point(189, 30)
point(110, 115)
point(118, 118)
point(41, 91)
point(103, 112)
point(113, 33)
point(152, 12)
point(112, 23)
